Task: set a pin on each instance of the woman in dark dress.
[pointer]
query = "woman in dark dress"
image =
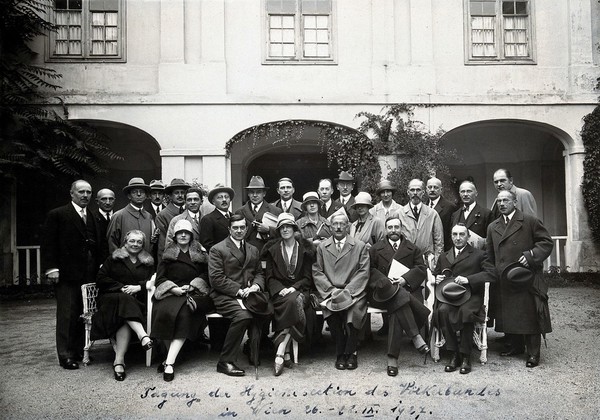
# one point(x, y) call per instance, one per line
point(181, 298)
point(121, 302)
point(289, 279)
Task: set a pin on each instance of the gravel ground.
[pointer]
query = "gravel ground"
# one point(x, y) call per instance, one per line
point(565, 385)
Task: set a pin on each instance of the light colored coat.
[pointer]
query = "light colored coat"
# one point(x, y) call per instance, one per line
point(379, 211)
point(124, 220)
point(371, 232)
point(427, 233)
point(349, 270)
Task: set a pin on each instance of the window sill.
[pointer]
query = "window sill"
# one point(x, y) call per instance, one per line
point(483, 62)
point(295, 62)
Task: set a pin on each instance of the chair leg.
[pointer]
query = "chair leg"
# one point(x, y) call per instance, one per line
point(295, 350)
point(88, 343)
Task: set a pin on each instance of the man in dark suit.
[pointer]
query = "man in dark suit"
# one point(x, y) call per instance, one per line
point(234, 271)
point(520, 238)
point(402, 296)
point(69, 256)
point(156, 203)
point(214, 227)
point(258, 233)
point(286, 202)
point(475, 217)
point(105, 199)
point(457, 311)
point(345, 185)
point(325, 191)
point(444, 208)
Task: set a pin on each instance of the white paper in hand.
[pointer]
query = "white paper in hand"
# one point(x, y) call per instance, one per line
point(397, 270)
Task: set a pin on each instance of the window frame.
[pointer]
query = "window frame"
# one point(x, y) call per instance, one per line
point(499, 42)
point(86, 37)
point(299, 42)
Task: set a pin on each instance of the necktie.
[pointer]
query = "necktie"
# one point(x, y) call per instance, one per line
point(458, 251)
point(416, 212)
point(254, 209)
point(395, 246)
point(242, 249)
point(506, 220)
point(431, 204)
point(180, 209)
point(227, 215)
point(359, 226)
point(141, 214)
point(83, 216)
point(108, 217)
point(195, 218)
point(338, 246)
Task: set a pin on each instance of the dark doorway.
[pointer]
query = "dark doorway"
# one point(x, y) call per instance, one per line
point(305, 170)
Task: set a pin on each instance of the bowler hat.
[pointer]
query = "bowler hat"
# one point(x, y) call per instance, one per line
point(157, 184)
point(452, 293)
point(310, 197)
point(345, 176)
point(220, 188)
point(136, 183)
point(385, 185)
point(385, 290)
point(177, 183)
point(341, 299)
point(256, 183)
point(286, 219)
point(362, 199)
point(183, 225)
point(517, 275)
point(259, 304)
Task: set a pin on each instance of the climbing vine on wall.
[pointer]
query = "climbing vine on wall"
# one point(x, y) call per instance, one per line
point(590, 135)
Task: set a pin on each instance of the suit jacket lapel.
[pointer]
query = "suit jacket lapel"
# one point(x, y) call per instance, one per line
point(77, 220)
point(235, 251)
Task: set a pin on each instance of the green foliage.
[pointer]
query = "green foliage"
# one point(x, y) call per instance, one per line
point(590, 135)
point(35, 133)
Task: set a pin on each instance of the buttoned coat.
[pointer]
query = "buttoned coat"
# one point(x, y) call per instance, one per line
point(427, 233)
point(214, 227)
point(229, 271)
point(309, 229)
point(348, 269)
point(379, 211)
point(124, 220)
point(252, 231)
point(371, 232)
point(475, 265)
point(524, 236)
point(445, 209)
point(381, 256)
point(352, 214)
point(525, 202)
point(478, 220)
point(295, 208)
point(186, 215)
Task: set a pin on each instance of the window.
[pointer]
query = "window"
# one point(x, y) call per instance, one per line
point(299, 31)
point(499, 31)
point(90, 30)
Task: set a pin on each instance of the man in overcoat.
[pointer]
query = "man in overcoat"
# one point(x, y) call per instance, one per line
point(444, 208)
point(474, 216)
point(176, 192)
point(503, 181)
point(470, 268)
point(69, 253)
point(402, 296)
point(214, 227)
point(516, 237)
point(234, 271)
point(193, 200)
point(287, 203)
point(341, 270)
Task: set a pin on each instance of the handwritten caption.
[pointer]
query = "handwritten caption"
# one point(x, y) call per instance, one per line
point(331, 399)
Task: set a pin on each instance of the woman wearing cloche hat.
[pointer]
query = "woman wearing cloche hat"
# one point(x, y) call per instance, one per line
point(312, 225)
point(367, 228)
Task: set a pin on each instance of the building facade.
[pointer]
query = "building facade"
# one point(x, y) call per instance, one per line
point(172, 81)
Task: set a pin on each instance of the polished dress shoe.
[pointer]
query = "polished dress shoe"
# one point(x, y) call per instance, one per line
point(392, 370)
point(465, 366)
point(119, 376)
point(278, 366)
point(69, 364)
point(148, 344)
point(168, 376)
point(532, 361)
point(340, 363)
point(512, 352)
point(229, 368)
point(454, 363)
point(287, 360)
point(424, 349)
point(160, 368)
point(351, 362)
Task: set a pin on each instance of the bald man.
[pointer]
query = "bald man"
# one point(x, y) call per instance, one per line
point(443, 207)
point(474, 216)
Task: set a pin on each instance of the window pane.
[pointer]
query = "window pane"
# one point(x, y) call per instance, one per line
point(521, 8)
point(98, 33)
point(276, 35)
point(111, 19)
point(75, 4)
point(288, 50)
point(323, 36)
point(310, 21)
point(62, 47)
point(62, 18)
point(310, 50)
point(281, 6)
point(111, 48)
point(323, 50)
point(111, 34)
point(287, 22)
point(288, 36)
point(97, 48)
point(75, 18)
point(60, 4)
point(74, 48)
point(275, 21)
point(275, 50)
point(508, 7)
point(322, 21)
point(310, 36)
point(97, 18)
point(74, 33)
point(316, 6)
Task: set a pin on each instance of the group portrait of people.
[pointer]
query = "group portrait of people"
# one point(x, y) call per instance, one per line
point(278, 271)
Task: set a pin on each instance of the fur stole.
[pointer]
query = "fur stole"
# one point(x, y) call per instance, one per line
point(308, 246)
point(144, 257)
point(197, 255)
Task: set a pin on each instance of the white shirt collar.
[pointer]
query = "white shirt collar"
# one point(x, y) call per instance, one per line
point(435, 201)
point(470, 206)
point(224, 213)
point(235, 241)
point(341, 241)
point(510, 216)
point(78, 208)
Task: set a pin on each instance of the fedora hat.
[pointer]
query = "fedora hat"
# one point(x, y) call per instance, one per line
point(309, 197)
point(341, 299)
point(286, 219)
point(183, 225)
point(220, 188)
point(517, 275)
point(256, 183)
point(136, 183)
point(385, 290)
point(452, 293)
point(157, 184)
point(362, 199)
point(259, 304)
point(385, 185)
point(177, 183)
point(345, 176)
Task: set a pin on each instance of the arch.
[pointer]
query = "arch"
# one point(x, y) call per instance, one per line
point(531, 150)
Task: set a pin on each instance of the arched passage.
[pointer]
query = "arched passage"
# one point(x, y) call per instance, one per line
point(532, 152)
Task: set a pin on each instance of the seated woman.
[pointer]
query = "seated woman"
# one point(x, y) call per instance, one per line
point(121, 297)
point(289, 278)
point(312, 225)
point(181, 298)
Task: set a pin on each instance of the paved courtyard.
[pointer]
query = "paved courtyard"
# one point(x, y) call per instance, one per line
point(565, 385)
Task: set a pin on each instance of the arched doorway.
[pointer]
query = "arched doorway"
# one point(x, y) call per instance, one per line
point(303, 158)
point(532, 152)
